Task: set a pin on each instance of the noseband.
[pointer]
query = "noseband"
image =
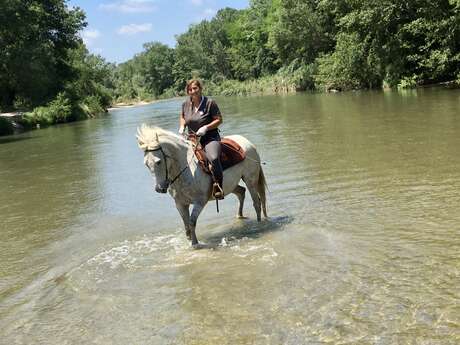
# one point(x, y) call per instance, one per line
point(159, 148)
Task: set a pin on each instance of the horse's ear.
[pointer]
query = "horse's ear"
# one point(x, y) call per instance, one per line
point(158, 139)
point(143, 146)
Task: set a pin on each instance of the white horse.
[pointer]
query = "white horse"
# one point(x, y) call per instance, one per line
point(171, 159)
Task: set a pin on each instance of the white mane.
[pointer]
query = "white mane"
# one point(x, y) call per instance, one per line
point(150, 137)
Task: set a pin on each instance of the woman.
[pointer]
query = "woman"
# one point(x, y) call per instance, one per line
point(202, 117)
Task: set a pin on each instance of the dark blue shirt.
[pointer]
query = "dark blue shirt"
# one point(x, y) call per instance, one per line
point(204, 115)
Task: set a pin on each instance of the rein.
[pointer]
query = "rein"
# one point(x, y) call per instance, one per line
point(159, 148)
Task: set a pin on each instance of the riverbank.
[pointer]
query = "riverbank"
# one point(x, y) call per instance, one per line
point(18, 122)
point(129, 104)
point(11, 122)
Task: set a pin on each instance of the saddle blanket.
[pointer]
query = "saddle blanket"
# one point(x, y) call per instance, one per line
point(232, 153)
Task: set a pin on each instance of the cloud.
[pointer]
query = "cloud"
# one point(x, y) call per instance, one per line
point(132, 29)
point(89, 36)
point(130, 6)
point(209, 12)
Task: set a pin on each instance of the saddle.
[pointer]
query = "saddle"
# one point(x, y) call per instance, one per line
point(232, 153)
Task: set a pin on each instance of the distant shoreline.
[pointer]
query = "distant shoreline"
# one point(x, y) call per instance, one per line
point(122, 105)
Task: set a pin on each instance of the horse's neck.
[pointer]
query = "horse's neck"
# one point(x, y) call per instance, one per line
point(183, 157)
point(181, 154)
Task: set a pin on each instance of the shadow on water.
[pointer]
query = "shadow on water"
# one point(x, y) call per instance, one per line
point(244, 229)
point(12, 139)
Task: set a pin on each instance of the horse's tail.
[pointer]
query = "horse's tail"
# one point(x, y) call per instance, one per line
point(261, 189)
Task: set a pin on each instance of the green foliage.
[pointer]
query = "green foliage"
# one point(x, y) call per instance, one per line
point(351, 66)
point(272, 46)
point(93, 77)
point(249, 52)
point(408, 82)
point(279, 45)
point(203, 50)
point(35, 38)
point(156, 63)
point(299, 33)
point(419, 37)
point(45, 64)
point(301, 75)
point(92, 105)
point(58, 110)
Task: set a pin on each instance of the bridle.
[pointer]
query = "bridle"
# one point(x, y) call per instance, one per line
point(159, 148)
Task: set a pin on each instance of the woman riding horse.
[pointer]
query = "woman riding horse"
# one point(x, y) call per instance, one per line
point(202, 117)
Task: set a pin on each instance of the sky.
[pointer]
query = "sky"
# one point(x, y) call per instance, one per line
point(117, 29)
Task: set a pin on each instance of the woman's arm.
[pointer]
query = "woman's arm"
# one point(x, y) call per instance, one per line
point(181, 123)
point(216, 116)
point(216, 122)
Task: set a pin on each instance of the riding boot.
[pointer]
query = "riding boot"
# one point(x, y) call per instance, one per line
point(217, 177)
point(217, 191)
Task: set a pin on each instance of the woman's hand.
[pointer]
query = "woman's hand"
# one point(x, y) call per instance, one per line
point(181, 130)
point(202, 131)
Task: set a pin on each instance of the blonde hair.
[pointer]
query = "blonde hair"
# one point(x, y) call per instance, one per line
point(189, 83)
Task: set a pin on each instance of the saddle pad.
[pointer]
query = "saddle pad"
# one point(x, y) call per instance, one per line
point(232, 153)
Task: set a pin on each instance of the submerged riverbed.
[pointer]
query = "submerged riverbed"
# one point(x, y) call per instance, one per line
point(362, 246)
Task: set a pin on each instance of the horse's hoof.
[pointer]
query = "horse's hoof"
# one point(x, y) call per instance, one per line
point(196, 246)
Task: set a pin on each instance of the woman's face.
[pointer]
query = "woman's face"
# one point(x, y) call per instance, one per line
point(194, 90)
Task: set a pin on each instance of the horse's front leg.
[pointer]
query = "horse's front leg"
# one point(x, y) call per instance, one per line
point(185, 215)
point(196, 210)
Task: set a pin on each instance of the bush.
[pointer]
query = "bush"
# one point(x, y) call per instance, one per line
point(278, 83)
point(92, 105)
point(300, 75)
point(351, 66)
point(58, 110)
point(169, 93)
point(408, 82)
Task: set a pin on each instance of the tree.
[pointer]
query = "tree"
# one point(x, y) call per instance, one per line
point(35, 39)
point(299, 32)
point(251, 56)
point(156, 64)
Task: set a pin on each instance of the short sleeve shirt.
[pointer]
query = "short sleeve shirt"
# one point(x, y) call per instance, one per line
point(204, 115)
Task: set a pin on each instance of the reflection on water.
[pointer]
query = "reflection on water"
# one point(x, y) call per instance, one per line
point(362, 246)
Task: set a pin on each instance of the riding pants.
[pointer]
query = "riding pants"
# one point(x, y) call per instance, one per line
point(213, 149)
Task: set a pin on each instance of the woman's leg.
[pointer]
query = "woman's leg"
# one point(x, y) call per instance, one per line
point(213, 150)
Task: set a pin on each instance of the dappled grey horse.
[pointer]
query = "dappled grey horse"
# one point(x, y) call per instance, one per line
point(171, 159)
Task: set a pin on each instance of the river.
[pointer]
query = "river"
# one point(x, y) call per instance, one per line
point(362, 246)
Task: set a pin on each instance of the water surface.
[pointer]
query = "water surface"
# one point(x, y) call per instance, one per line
point(362, 246)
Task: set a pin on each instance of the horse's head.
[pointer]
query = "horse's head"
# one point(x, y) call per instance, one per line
point(155, 158)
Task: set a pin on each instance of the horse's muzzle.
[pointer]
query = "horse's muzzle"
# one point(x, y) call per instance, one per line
point(161, 189)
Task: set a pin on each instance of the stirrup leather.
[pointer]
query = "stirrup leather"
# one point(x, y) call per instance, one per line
point(217, 191)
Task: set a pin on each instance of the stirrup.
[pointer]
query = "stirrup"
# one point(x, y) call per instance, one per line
point(217, 191)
